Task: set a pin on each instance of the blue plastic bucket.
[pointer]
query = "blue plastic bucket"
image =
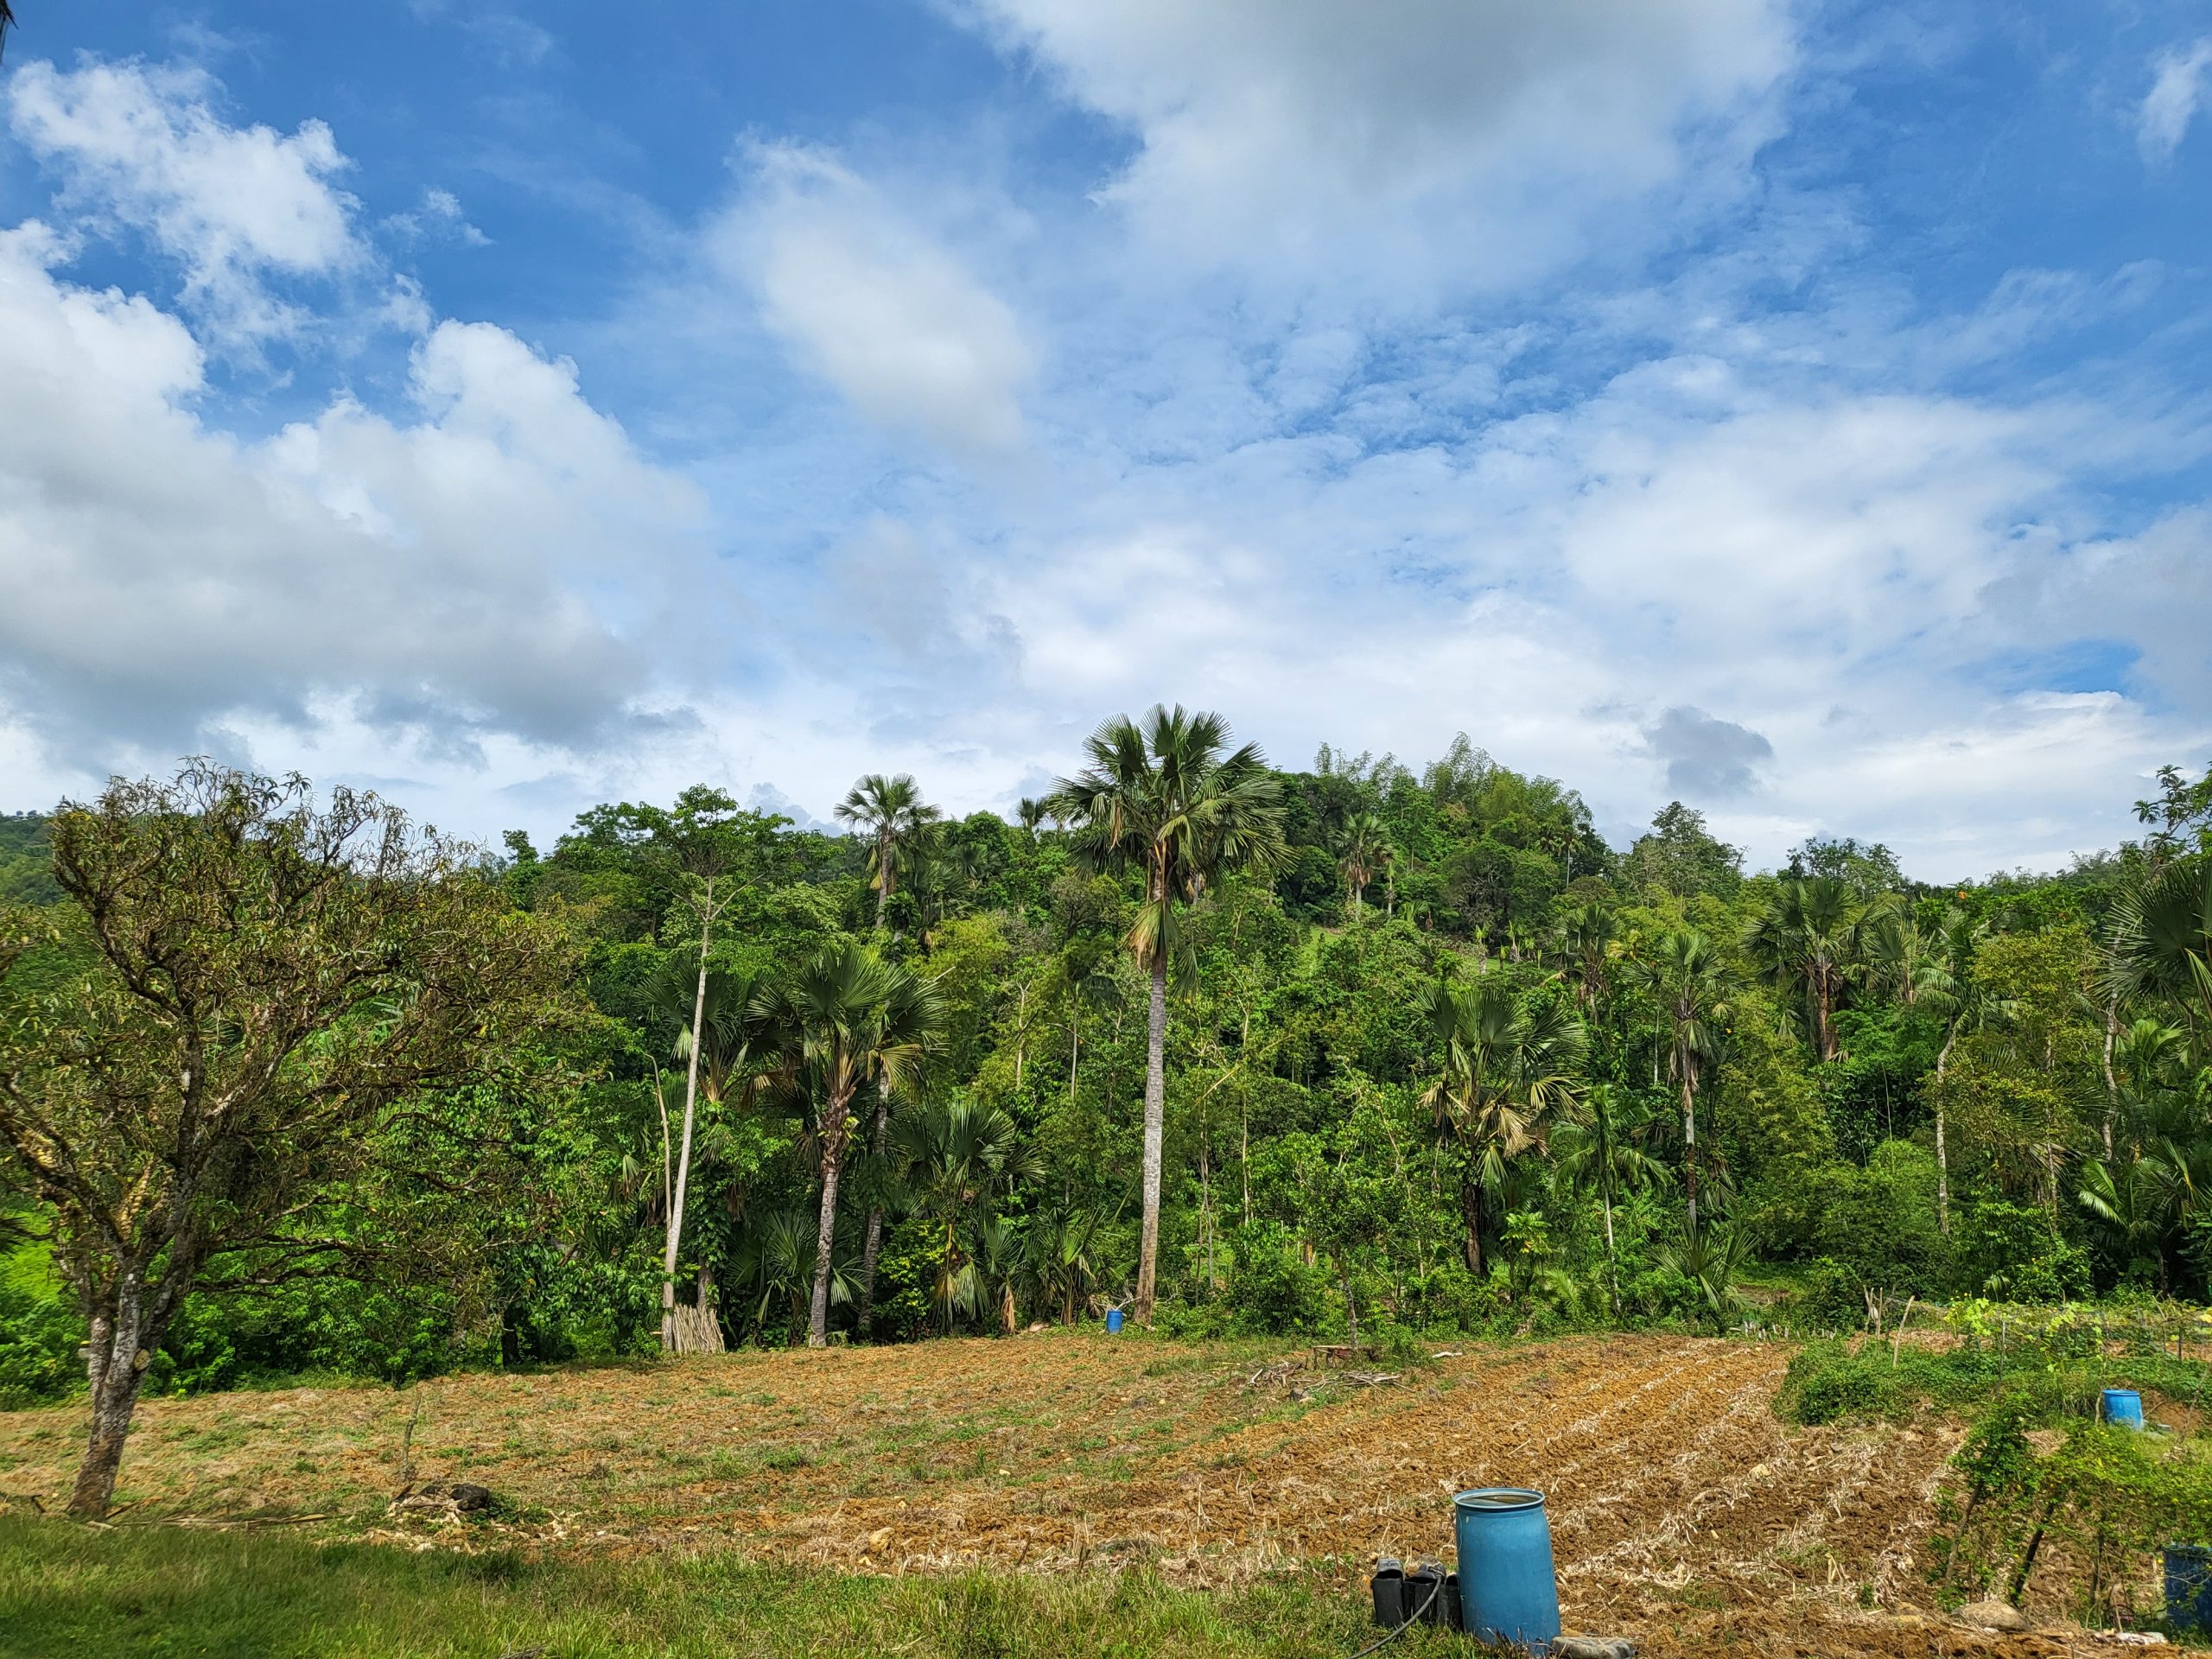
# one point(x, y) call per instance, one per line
point(2189, 1587)
point(1113, 1321)
point(1509, 1591)
point(2122, 1407)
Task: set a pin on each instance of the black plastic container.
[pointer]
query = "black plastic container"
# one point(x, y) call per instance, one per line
point(1424, 1594)
point(1390, 1588)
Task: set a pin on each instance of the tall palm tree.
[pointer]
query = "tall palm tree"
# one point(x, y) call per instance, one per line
point(1812, 940)
point(1509, 1066)
point(1686, 979)
point(845, 1020)
point(1363, 851)
point(1033, 814)
point(1169, 798)
point(1596, 1145)
point(723, 1048)
point(956, 1160)
point(892, 813)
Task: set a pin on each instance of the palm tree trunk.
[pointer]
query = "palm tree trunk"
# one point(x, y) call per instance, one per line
point(874, 1221)
point(1471, 1215)
point(833, 1165)
point(1689, 1139)
point(1155, 1118)
point(668, 1343)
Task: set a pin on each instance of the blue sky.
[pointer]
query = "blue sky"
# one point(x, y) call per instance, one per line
point(1797, 409)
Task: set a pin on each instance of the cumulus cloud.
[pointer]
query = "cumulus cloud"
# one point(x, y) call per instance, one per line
point(2180, 77)
point(142, 146)
point(484, 567)
point(876, 306)
point(1706, 757)
point(1263, 124)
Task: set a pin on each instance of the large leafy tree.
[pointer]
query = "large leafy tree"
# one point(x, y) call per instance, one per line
point(892, 814)
point(1686, 980)
point(847, 1019)
point(1509, 1065)
point(1169, 798)
point(1943, 981)
point(271, 988)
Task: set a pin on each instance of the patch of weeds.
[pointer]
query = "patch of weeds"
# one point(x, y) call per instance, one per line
point(783, 1459)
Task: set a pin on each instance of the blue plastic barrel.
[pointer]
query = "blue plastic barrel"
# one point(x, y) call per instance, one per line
point(2122, 1407)
point(1113, 1321)
point(1508, 1590)
point(2189, 1587)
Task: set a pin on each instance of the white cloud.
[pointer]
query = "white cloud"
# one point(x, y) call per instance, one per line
point(2178, 92)
point(142, 145)
point(1268, 125)
point(496, 564)
point(876, 306)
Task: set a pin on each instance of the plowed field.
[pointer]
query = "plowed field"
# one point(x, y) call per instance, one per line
point(1683, 1513)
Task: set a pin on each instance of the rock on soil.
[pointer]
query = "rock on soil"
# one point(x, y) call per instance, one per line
point(1994, 1615)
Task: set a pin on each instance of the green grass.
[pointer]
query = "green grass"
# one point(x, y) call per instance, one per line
point(1827, 1382)
point(155, 1591)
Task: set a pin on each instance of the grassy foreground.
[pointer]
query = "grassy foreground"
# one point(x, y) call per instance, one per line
point(70, 1590)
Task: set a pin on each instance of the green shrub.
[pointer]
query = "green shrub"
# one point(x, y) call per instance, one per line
point(1273, 1290)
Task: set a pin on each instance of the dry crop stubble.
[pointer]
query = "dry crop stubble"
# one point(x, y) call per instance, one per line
point(1683, 1512)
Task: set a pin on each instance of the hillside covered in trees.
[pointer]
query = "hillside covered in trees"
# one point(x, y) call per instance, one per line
point(1432, 1054)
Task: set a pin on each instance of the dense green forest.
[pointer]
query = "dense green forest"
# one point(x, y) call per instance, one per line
point(1434, 1055)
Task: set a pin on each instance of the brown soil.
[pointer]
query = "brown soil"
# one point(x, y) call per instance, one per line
point(1683, 1513)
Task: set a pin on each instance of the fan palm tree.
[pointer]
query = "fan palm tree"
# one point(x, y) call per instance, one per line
point(723, 1050)
point(1509, 1066)
point(2160, 945)
point(1596, 1145)
point(1058, 1246)
point(1812, 940)
point(1363, 851)
point(1587, 934)
point(847, 1018)
point(1033, 814)
point(1710, 1258)
point(1168, 797)
point(891, 812)
point(955, 1160)
point(1684, 978)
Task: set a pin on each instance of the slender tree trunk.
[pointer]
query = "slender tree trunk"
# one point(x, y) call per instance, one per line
point(668, 1344)
point(121, 1348)
point(882, 878)
point(1471, 1215)
point(1354, 901)
point(1612, 1261)
point(2111, 1083)
point(1689, 1138)
point(875, 1220)
point(1942, 1158)
point(825, 1237)
point(1155, 1118)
